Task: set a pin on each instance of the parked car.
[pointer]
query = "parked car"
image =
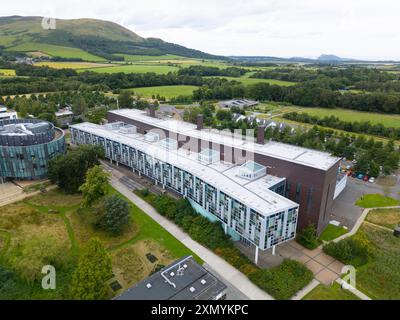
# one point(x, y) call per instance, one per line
point(372, 180)
point(354, 161)
point(366, 178)
point(348, 167)
point(354, 175)
point(360, 176)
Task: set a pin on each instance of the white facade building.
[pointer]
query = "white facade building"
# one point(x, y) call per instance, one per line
point(249, 210)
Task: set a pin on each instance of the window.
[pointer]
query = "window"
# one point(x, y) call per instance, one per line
point(298, 189)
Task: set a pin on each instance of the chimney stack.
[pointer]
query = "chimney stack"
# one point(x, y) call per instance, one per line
point(261, 135)
point(200, 122)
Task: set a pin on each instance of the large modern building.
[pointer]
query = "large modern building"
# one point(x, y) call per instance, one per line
point(183, 280)
point(260, 192)
point(26, 146)
point(312, 178)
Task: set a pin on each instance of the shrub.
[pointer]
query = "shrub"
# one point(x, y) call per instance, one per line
point(349, 251)
point(144, 192)
point(284, 281)
point(308, 237)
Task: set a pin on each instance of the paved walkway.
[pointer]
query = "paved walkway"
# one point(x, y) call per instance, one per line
point(229, 273)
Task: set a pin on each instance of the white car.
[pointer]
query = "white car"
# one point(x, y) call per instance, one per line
point(371, 180)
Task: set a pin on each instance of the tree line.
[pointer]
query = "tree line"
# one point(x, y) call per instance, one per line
point(364, 127)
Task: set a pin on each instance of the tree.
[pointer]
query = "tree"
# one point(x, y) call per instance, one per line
point(117, 215)
point(95, 185)
point(125, 100)
point(93, 270)
point(68, 171)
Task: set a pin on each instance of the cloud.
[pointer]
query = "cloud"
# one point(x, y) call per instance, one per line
point(357, 28)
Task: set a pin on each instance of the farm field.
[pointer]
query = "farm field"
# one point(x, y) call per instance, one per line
point(59, 219)
point(248, 81)
point(158, 69)
point(352, 115)
point(306, 125)
point(7, 72)
point(57, 51)
point(165, 91)
point(72, 65)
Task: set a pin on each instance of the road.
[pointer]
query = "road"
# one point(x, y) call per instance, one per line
point(228, 273)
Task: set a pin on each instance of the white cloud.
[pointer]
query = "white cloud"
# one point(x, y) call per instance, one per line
point(357, 28)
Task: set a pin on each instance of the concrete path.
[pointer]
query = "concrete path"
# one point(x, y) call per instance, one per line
point(306, 290)
point(229, 273)
point(354, 291)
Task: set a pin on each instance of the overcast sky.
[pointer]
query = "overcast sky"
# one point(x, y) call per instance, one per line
point(365, 29)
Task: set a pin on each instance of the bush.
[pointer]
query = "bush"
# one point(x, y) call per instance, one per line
point(349, 251)
point(284, 281)
point(308, 237)
point(144, 192)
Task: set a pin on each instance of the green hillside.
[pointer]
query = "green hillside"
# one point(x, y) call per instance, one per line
point(96, 37)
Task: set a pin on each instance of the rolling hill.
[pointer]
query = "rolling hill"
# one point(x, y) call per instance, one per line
point(88, 39)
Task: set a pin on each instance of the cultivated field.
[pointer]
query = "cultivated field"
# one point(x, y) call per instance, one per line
point(165, 91)
point(158, 69)
point(7, 72)
point(57, 51)
point(388, 120)
point(247, 81)
point(72, 65)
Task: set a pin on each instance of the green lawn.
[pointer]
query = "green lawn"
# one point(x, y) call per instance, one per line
point(165, 91)
point(389, 218)
point(57, 51)
point(376, 201)
point(333, 292)
point(158, 69)
point(332, 232)
point(352, 115)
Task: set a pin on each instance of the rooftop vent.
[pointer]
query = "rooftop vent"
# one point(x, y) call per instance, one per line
point(203, 282)
point(172, 274)
point(149, 286)
point(192, 289)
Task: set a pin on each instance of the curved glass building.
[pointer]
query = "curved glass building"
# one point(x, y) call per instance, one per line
point(26, 146)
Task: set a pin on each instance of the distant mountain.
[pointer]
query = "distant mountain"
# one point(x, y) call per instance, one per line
point(333, 58)
point(323, 59)
point(100, 38)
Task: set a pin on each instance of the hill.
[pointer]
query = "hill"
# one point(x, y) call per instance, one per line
point(95, 37)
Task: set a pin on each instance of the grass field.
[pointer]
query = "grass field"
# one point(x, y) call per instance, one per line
point(352, 115)
point(333, 292)
point(247, 81)
point(332, 232)
point(72, 65)
point(57, 51)
point(165, 91)
point(7, 72)
point(58, 217)
point(138, 58)
point(389, 218)
point(376, 201)
point(158, 69)
point(380, 277)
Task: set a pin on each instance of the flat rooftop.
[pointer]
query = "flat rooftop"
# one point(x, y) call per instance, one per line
point(303, 156)
point(264, 201)
point(183, 280)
